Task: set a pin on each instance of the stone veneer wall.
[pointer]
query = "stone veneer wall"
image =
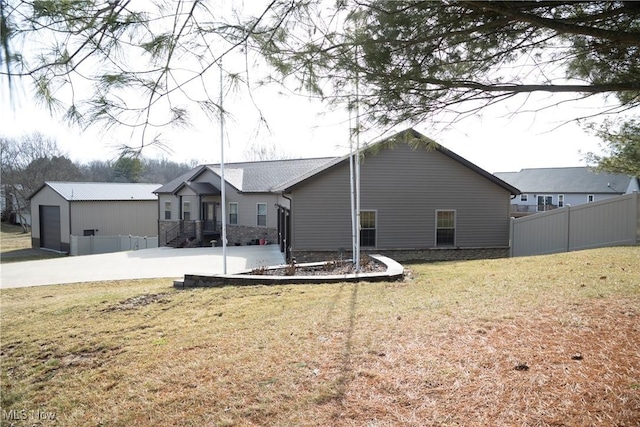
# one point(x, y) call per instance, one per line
point(405, 255)
point(245, 235)
point(163, 227)
point(235, 233)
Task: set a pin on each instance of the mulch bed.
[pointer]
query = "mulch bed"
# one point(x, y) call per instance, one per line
point(329, 268)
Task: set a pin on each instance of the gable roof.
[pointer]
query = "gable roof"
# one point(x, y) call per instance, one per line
point(100, 191)
point(200, 188)
point(250, 177)
point(270, 175)
point(566, 180)
point(282, 175)
point(414, 139)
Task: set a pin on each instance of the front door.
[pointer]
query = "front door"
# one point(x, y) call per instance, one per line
point(209, 216)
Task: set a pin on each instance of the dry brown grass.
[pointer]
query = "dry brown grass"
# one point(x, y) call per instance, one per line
point(15, 245)
point(439, 349)
point(12, 238)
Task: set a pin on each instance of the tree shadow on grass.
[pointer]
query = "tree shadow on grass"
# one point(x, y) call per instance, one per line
point(337, 389)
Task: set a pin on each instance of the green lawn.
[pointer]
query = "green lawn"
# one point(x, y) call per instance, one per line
point(535, 341)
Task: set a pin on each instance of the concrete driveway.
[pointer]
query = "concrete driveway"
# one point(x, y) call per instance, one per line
point(141, 264)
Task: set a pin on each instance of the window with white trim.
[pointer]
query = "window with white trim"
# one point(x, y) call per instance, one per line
point(233, 213)
point(167, 210)
point(262, 214)
point(446, 228)
point(368, 229)
point(560, 200)
point(186, 211)
point(523, 197)
point(590, 198)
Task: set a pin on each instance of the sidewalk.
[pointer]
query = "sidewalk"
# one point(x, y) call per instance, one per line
point(141, 264)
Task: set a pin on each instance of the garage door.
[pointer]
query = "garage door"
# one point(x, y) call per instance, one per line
point(50, 227)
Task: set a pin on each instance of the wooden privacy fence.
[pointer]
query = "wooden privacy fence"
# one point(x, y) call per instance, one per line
point(89, 245)
point(610, 222)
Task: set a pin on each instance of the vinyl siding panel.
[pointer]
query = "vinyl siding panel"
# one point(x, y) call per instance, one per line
point(405, 187)
point(138, 218)
point(46, 196)
point(321, 218)
point(175, 209)
point(194, 206)
point(248, 208)
point(247, 203)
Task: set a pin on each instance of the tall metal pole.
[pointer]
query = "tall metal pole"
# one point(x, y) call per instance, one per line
point(223, 183)
point(357, 161)
point(354, 227)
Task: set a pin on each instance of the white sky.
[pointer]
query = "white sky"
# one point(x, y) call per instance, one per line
point(497, 142)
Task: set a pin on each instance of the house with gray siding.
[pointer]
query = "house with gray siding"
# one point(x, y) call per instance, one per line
point(418, 200)
point(190, 212)
point(545, 189)
point(60, 210)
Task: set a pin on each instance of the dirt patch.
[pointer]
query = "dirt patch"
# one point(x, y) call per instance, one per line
point(140, 301)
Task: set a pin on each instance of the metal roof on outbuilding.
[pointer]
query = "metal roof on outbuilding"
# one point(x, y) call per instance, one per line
point(101, 191)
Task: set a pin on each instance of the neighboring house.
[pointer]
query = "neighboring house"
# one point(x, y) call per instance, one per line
point(13, 208)
point(551, 188)
point(5, 202)
point(62, 209)
point(190, 211)
point(418, 200)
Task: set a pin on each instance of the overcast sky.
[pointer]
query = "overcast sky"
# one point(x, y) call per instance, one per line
point(497, 141)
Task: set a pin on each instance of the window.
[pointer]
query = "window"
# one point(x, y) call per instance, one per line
point(545, 203)
point(560, 200)
point(368, 229)
point(445, 228)
point(87, 233)
point(186, 211)
point(523, 197)
point(233, 213)
point(167, 210)
point(262, 214)
point(590, 198)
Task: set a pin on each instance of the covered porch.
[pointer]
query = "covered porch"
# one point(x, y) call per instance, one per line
point(199, 222)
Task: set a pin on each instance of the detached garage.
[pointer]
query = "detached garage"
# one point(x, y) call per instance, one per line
point(62, 209)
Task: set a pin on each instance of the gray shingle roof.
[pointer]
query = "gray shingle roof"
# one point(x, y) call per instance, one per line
point(252, 177)
point(282, 175)
point(389, 142)
point(176, 183)
point(102, 191)
point(269, 175)
point(203, 188)
point(566, 180)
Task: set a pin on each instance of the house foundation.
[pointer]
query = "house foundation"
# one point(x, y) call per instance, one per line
point(406, 255)
point(241, 235)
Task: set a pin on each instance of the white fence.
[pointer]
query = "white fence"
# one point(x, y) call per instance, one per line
point(105, 244)
point(610, 222)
